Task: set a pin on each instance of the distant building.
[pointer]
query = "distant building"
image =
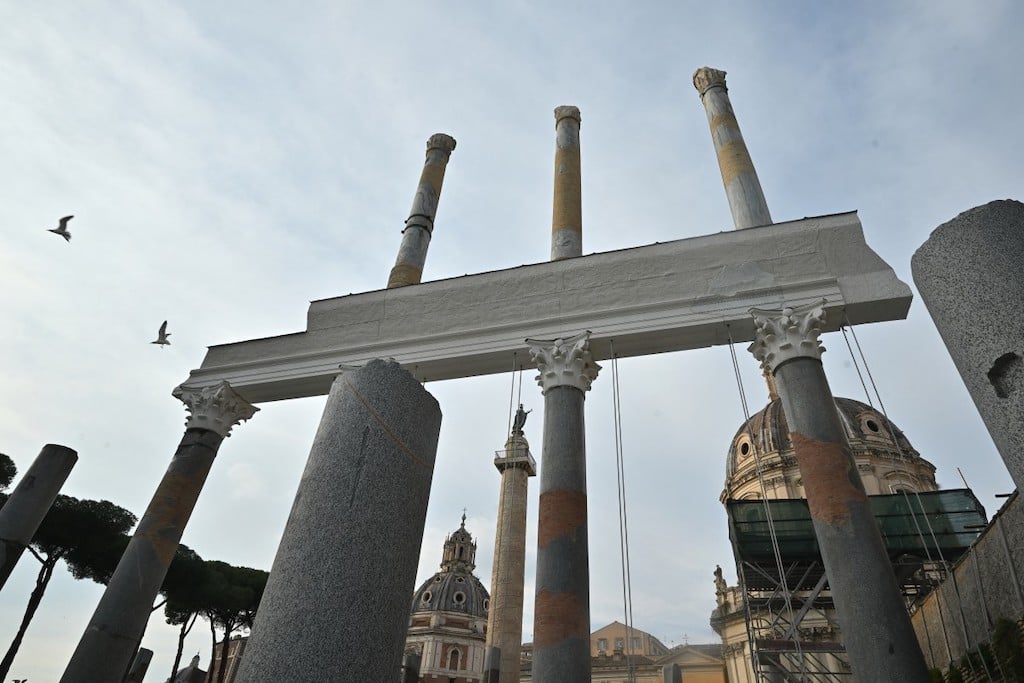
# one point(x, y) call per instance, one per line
point(236, 646)
point(189, 674)
point(762, 636)
point(629, 654)
point(448, 621)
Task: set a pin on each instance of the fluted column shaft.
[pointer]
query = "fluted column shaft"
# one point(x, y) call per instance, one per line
point(742, 188)
point(877, 632)
point(508, 572)
point(561, 627)
point(567, 208)
point(28, 504)
point(412, 254)
point(110, 640)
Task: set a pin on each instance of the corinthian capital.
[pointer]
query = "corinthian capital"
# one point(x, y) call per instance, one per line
point(705, 78)
point(788, 333)
point(567, 111)
point(565, 361)
point(217, 408)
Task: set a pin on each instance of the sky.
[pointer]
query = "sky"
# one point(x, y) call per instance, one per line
point(227, 163)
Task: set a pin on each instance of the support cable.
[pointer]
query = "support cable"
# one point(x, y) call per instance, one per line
point(620, 476)
point(946, 566)
point(787, 597)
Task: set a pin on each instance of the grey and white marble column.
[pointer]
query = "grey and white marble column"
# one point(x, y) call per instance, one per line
point(419, 226)
point(742, 187)
point(110, 640)
point(969, 273)
point(877, 632)
point(567, 207)
point(28, 504)
point(336, 606)
point(561, 622)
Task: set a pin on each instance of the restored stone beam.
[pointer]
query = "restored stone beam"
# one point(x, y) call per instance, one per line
point(671, 296)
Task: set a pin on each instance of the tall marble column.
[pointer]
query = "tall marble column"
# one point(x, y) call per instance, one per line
point(969, 275)
point(28, 504)
point(108, 645)
point(561, 625)
point(742, 188)
point(877, 632)
point(336, 606)
point(419, 226)
point(505, 616)
point(567, 208)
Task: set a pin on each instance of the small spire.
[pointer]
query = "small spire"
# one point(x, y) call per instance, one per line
point(463, 518)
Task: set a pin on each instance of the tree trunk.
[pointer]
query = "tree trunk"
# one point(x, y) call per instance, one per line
point(186, 626)
point(42, 579)
point(222, 669)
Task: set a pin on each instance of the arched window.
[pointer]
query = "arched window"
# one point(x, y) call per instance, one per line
point(454, 659)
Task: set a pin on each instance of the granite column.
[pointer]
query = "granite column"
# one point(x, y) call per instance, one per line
point(110, 640)
point(336, 606)
point(561, 627)
point(969, 275)
point(28, 504)
point(742, 188)
point(419, 226)
point(877, 632)
point(508, 572)
point(567, 207)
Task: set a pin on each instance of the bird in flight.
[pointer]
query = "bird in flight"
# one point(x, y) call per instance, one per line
point(62, 228)
point(162, 336)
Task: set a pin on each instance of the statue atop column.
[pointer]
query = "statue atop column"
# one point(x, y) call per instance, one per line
point(520, 420)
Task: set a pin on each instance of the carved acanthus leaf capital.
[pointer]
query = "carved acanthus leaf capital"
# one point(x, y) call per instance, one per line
point(788, 333)
point(441, 141)
point(706, 78)
point(217, 408)
point(565, 361)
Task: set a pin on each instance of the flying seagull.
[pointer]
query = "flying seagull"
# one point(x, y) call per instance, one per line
point(162, 336)
point(62, 229)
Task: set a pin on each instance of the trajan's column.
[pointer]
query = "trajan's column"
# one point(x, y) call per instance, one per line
point(505, 617)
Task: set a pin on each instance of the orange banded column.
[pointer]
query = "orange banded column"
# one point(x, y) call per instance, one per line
point(567, 210)
point(742, 188)
point(412, 254)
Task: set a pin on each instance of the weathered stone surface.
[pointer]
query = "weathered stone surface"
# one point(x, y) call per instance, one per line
point(28, 504)
point(336, 606)
point(681, 295)
point(969, 273)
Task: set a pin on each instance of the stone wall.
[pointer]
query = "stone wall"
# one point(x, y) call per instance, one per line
point(985, 585)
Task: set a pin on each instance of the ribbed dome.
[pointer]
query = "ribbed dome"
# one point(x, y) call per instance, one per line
point(454, 588)
point(767, 434)
point(452, 592)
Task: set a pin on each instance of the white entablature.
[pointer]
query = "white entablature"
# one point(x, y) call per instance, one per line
point(672, 296)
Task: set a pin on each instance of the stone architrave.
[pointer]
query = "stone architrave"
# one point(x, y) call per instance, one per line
point(336, 606)
point(28, 504)
point(110, 640)
point(561, 626)
point(419, 226)
point(877, 632)
point(742, 187)
point(567, 207)
point(969, 273)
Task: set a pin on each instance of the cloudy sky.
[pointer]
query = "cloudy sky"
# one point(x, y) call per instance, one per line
point(227, 163)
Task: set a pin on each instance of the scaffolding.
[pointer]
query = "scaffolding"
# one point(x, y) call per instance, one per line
point(790, 617)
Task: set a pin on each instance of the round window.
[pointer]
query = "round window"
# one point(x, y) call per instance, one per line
point(744, 448)
point(426, 597)
point(459, 579)
point(459, 597)
point(487, 604)
point(872, 425)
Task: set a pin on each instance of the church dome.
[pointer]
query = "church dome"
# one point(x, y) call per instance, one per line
point(890, 464)
point(455, 588)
